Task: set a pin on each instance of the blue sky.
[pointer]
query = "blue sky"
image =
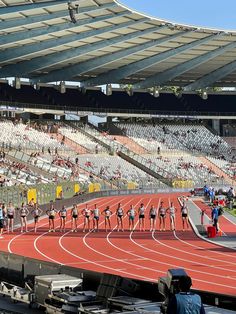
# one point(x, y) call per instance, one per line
point(208, 13)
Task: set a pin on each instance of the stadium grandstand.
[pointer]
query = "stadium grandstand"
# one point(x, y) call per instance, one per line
point(102, 105)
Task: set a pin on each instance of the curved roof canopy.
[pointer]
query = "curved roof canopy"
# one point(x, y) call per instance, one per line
point(109, 43)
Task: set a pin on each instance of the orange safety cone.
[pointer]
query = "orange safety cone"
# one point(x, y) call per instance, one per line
point(220, 233)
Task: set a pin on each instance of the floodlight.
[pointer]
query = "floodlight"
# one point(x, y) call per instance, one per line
point(17, 83)
point(204, 95)
point(62, 87)
point(108, 90)
point(156, 92)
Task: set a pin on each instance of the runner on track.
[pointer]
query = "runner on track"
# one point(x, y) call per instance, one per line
point(141, 217)
point(62, 214)
point(131, 213)
point(107, 213)
point(86, 213)
point(24, 212)
point(36, 212)
point(152, 217)
point(74, 217)
point(120, 216)
point(162, 217)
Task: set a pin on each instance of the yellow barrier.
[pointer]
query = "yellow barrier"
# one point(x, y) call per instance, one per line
point(76, 188)
point(94, 187)
point(131, 185)
point(182, 184)
point(91, 188)
point(97, 187)
point(59, 192)
point(32, 194)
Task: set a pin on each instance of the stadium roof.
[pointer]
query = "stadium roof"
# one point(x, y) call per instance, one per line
point(110, 43)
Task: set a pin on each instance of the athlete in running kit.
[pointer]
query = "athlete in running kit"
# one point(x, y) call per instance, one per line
point(162, 217)
point(184, 214)
point(24, 212)
point(152, 217)
point(62, 214)
point(141, 217)
point(2, 217)
point(120, 215)
point(171, 210)
point(131, 213)
point(86, 212)
point(36, 213)
point(96, 215)
point(107, 213)
point(74, 218)
point(51, 217)
point(10, 217)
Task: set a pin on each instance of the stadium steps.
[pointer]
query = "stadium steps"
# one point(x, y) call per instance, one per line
point(142, 164)
point(133, 158)
point(79, 149)
point(89, 135)
point(131, 144)
point(231, 141)
point(216, 169)
point(35, 169)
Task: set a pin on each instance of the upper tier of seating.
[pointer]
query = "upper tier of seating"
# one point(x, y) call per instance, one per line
point(118, 101)
point(195, 138)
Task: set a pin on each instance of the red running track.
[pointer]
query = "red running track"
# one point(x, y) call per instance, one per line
point(141, 255)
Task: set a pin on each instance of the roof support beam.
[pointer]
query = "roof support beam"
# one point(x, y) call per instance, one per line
point(83, 67)
point(8, 24)
point(25, 67)
point(209, 79)
point(168, 75)
point(29, 34)
point(114, 76)
point(15, 53)
point(31, 6)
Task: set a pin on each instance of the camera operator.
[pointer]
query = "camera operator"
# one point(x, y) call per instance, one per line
point(185, 302)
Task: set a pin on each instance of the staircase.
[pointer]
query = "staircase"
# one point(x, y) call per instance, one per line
point(131, 144)
point(231, 141)
point(130, 156)
point(79, 149)
point(92, 135)
point(216, 169)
